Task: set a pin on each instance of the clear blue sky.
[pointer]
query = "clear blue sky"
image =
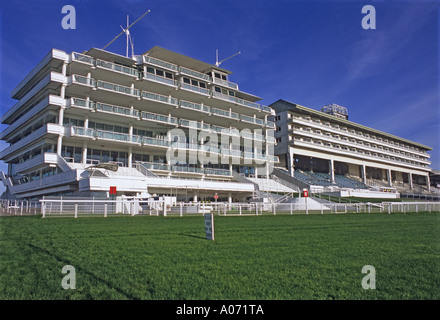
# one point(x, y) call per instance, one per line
point(309, 52)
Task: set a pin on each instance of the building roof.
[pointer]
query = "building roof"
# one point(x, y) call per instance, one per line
point(284, 105)
point(182, 60)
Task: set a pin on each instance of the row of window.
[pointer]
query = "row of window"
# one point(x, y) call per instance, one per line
point(354, 131)
point(354, 141)
point(165, 74)
point(360, 151)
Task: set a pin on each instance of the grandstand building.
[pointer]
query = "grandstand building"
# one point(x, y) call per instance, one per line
point(160, 123)
point(323, 150)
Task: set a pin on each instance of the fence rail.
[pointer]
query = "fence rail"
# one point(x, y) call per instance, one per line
point(19, 207)
point(132, 206)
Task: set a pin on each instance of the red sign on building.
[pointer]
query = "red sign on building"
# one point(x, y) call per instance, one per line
point(112, 190)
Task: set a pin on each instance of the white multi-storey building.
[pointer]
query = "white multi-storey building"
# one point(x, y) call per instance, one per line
point(159, 123)
point(324, 148)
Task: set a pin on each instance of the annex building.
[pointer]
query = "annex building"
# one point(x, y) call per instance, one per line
point(324, 150)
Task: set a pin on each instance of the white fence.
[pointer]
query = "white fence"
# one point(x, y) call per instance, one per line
point(19, 207)
point(92, 207)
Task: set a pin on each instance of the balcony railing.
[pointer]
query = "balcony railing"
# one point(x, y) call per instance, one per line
point(117, 136)
point(225, 113)
point(82, 103)
point(194, 106)
point(365, 147)
point(190, 87)
point(82, 58)
point(158, 97)
point(149, 76)
point(117, 67)
point(118, 88)
point(160, 63)
point(194, 74)
point(186, 169)
point(83, 80)
point(83, 132)
point(190, 124)
point(239, 101)
point(352, 134)
point(155, 142)
point(225, 83)
point(116, 109)
point(360, 153)
point(159, 118)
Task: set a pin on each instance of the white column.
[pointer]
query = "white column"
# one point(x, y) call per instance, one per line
point(61, 116)
point(390, 183)
point(428, 183)
point(332, 170)
point(84, 153)
point(59, 144)
point(410, 181)
point(291, 164)
point(130, 148)
point(364, 173)
point(130, 156)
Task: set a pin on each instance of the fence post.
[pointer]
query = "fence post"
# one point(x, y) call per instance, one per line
point(181, 209)
point(76, 210)
point(307, 208)
point(43, 208)
point(291, 208)
point(322, 211)
point(239, 208)
point(389, 208)
point(105, 210)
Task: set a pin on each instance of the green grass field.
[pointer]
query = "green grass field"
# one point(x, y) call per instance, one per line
point(252, 257)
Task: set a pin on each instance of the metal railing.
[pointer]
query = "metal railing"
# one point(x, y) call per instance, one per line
point(170, 207)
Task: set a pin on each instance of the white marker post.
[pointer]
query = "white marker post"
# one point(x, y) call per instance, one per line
point(209, 226)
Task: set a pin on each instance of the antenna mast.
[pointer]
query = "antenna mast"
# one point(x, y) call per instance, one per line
point(127, 33)
point(217, 63)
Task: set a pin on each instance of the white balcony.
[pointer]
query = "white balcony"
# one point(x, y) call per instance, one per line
point(194, 74)
point(46, 158)
point(225, 83)
point(357, 145)
point(50, 100)
point(52, 80)
point(194, 106)
point(351, 134)
point(47, 129)
point(160, 63)
point(160, 118)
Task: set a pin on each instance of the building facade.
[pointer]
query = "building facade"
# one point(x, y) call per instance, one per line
point(325, 146)
point(158, 123)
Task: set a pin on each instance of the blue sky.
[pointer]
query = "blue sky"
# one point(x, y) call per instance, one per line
point(309, 52)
